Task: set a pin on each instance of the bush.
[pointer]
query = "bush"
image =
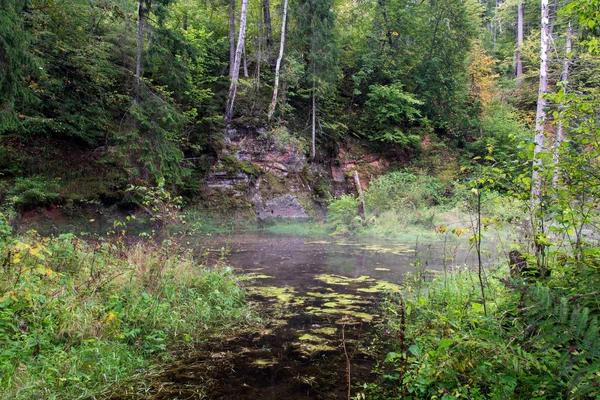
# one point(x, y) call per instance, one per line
point(34, 191)
point(77, 319)
point(400, 190)
point(533, 343)
point(343, 214)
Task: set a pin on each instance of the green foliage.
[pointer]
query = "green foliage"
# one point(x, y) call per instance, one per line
point(16, 62)
point(342, 214)
point(157, 202)
point(391, 108)
point(530, 345)
point(399, 190)
point(76, 319)
point(34, 191)
point(501, 130)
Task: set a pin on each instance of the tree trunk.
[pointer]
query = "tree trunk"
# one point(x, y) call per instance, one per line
point(245, 62)
point(518, 59)
point(361, 195)
point(237, 62)
point(269, 28)
point(540, 117)
point(231, 36)
point(278, 65)
point(314, 93)
point(140, 43)
point(559, 129)
point(314, 122)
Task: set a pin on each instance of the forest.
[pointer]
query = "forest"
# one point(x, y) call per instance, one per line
point(304, 199)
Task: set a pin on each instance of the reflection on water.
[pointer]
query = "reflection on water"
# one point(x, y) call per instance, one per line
point(295, 261)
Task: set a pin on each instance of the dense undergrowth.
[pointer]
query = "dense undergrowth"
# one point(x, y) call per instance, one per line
point(78, 318)
point(537, 341)
point(403, 205)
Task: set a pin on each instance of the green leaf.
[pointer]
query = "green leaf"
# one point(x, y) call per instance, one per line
point(414, 349)
point(444, 344)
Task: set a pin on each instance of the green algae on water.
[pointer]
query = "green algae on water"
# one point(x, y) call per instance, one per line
point(381, 287)
point(331, 279)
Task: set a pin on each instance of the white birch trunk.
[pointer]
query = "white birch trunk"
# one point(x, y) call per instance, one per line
point(540, 117)
point(559, 129)
point(237, 62)
point(278, 65)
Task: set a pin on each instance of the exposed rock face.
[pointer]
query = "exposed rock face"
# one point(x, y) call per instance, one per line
point(368, 166)
point(256, 147)
point(287, 207)
point(226, 180)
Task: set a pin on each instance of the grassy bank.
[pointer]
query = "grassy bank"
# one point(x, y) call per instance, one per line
point(537, 341)
point(78, 318)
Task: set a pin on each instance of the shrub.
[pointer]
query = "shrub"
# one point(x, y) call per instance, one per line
point(33, 191)
point(343, 214)
point(400, 190)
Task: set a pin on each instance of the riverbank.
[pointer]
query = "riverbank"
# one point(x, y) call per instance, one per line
point(80, 318)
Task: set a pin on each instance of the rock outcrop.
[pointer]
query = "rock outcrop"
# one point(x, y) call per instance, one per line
point(286, 207)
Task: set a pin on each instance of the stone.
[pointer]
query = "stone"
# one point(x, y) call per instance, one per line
point(286, 207)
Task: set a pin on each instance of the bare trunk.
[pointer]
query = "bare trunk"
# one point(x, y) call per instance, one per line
point(245, 62)
point(540, 117)
point(237, 62)
point(278, 65)
point(185, 21)
point(559, 129)
point(314, 122)
point(518, 59)
point(361, 195)
point(314, 95)
point(140, 43)
point(231, 36)
point(269, 28)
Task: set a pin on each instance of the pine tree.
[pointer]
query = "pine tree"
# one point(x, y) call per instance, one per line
point(16, 62)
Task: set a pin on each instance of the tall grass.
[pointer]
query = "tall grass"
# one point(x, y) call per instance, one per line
point(77, 318)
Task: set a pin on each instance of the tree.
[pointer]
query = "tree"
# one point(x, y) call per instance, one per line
point(237, 62)
point(16, 62)
point(278, 64)
point(540, 116)
point(315, 26)
point(564, 78)
point(518, 60)
point(231, 37)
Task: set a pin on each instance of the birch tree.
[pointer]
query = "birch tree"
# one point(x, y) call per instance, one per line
point(559, 129)
point(236, 63)
point(278, 64)
point(540, 117)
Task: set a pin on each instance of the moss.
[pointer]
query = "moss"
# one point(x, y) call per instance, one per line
point(273, 186)
point(264, 363)
point(326, 331)
point(307, 337)
point(235, 165)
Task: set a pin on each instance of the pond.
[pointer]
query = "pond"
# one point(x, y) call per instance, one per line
point(319, 299)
